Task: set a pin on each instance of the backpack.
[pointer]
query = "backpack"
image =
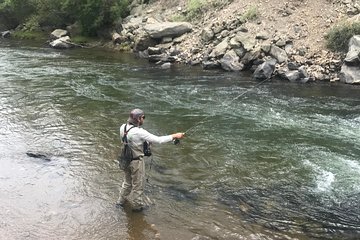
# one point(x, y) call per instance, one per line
point(126, 153)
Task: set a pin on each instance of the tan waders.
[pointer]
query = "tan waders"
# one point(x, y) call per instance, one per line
point(133, 186)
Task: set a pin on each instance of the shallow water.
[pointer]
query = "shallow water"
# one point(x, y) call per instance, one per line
point(280, 162)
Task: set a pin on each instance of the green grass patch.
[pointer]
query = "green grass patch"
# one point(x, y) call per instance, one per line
point(250, 14)
point(31, 35)
point(178, 18)
point(83, 40)
point(195, 8)
point(337, 39)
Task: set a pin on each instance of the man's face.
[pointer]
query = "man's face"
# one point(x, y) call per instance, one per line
point(141, 120)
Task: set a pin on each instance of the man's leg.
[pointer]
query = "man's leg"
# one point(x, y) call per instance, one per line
point(138, 183)
point(125, 189)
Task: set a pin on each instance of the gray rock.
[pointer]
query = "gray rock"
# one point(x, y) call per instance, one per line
point(211, 64)
point(116, 38)
point(143, 42)
point(61, 43)
point(300, 75)
point(293, 76)
point(265, 70)
point(293, 66)
point(5, 34)
point(220, 49)
point(207, 34)
point(247, 40)
point(166, 65)
point(350, 74)
point(279, 54)
point(167, 29)
point(230, 62)
point(58, 33)
point(353, 55)
point(154, 51)
point(350, 71)
point(42, 156)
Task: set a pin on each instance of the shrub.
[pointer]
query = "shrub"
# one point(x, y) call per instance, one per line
point(95, 14)
point(250, 14)
point(337, 39)
point(194, 8)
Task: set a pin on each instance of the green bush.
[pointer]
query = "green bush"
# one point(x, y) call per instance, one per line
point(15, 12)
point(250, 14)
point(337, 39)
point(194, 8)
point(95, 14)
point(33, 14)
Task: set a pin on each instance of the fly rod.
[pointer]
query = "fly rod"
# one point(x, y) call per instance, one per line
point(177, 141)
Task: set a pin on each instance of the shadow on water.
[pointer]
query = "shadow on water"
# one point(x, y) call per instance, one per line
point(138, 227)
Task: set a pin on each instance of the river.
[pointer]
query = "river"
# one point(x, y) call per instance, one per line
point(282, 161)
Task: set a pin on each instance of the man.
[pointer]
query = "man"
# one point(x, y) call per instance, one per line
point(132, 189)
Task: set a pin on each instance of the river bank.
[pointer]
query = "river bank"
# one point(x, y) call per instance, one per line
point(271, 39)
point(285, 40)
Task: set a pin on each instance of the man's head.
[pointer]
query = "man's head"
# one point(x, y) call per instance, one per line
point(136, 117)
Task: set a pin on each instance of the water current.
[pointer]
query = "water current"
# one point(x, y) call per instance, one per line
point(280, 162)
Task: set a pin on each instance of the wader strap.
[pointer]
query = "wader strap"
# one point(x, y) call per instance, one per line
point(124, 138)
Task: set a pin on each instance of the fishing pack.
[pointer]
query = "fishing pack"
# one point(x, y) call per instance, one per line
point(126, 153)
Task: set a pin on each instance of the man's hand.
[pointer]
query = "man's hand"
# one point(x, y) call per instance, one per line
point(178, 135)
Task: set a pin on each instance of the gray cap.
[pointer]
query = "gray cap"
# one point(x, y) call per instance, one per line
point(135, 114)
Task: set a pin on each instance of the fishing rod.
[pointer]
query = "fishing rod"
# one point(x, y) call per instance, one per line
point(177, 141)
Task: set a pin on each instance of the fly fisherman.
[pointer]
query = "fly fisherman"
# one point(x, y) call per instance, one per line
point(138, 139)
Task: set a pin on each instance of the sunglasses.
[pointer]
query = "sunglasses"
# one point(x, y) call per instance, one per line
point(143, 117)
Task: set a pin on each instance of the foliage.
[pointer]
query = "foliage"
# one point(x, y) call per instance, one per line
point(30, 35)
point(250, 14)
point(197, 7)
point(178, 18)
point(337, 39)
point(194, 7)
point(91, 14)
point(15, 11)
point(95, 14)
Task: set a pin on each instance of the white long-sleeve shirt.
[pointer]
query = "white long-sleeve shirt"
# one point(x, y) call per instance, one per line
point(137, 136)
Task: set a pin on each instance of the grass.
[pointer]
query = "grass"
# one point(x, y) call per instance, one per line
point(250, 14)
point(337, 39)
point(31, 35)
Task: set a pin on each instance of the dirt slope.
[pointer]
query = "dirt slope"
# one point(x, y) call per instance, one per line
point(306, 22)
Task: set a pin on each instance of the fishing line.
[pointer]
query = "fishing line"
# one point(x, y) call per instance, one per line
point(177, 141)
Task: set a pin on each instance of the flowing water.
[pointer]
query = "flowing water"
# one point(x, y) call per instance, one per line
point(280, 162)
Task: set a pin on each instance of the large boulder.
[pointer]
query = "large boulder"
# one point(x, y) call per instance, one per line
point(278, 53)
point(167, 29)
point(265, 70)
point(230, 62)
point(62, 43)
point(350, 70)
point(220, 49)
point(353, 55)
point(58, 33)
point(5, 34)
point(350, 74)
point(143, 41)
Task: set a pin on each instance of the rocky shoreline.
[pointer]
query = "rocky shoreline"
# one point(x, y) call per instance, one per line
point(229, 46)
point(235, 43)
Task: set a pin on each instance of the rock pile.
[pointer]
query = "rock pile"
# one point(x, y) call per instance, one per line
point(228, 46)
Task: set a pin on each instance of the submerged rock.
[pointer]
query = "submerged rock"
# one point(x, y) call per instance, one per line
point(38, 155)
